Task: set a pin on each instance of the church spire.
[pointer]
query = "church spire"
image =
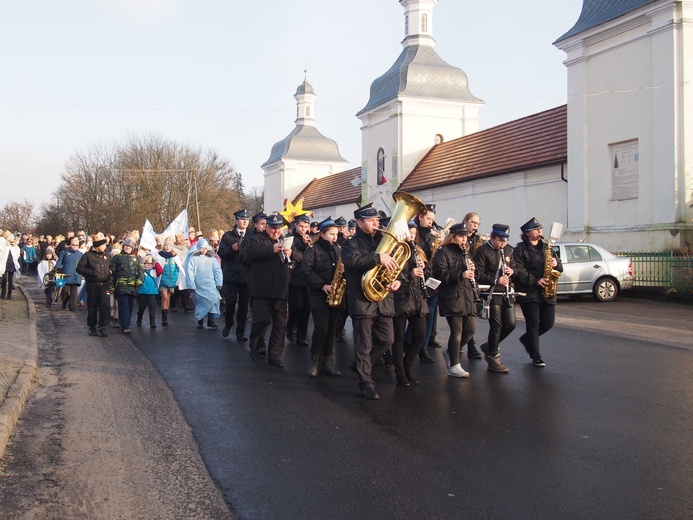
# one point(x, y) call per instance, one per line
point(305, 101)
point(418, 22)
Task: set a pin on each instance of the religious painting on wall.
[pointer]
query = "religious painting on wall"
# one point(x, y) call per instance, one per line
point(381, 167)
point(625, 172)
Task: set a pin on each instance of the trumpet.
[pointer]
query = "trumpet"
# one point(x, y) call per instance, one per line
point(282, 255)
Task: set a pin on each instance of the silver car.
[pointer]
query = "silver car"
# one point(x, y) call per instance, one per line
point(589, 268)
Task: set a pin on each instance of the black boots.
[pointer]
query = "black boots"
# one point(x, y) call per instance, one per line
point(328, 367)
point(164, 317)
point(472, 352)
point(401, 378)
point(424, 356)
point(314, 363)
point(409, 372)
point(211, 324)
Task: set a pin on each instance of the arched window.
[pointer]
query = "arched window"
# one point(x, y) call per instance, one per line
point(406, 25)
point(381, 167)
point(424, 23)
point(307, 110)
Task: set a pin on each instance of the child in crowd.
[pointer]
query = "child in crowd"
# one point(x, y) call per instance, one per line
point(146, 295)
point(44, 267)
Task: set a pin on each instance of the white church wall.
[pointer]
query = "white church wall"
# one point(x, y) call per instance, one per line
point(627, 97)
point(274, 187)
point(510, 199)
point(286, 179)
point(379, 133)
point(423, 119)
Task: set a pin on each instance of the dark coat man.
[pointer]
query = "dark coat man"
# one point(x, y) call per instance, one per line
point(299, 310)
point(270, 273)
point(95, 267)
point(235, 286)
point(373, 327)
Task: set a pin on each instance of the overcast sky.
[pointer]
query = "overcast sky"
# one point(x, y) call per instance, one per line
point(221, 74)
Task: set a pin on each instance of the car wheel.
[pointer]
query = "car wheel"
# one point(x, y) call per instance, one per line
point(605, 289)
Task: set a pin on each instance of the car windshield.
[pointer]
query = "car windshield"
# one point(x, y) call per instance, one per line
point(582, 253)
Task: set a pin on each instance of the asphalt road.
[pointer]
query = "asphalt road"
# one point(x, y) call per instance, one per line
point(604, 431)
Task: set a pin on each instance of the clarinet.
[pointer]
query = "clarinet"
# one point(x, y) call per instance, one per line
point(506, 295)
point(420, 263)
point(475, 287)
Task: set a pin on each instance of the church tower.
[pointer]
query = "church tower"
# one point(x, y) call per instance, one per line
point(419, 102)
point(303, 155)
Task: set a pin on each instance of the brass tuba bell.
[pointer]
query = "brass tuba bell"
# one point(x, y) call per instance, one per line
point(375, 281)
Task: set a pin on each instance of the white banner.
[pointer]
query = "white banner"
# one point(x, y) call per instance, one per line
point(148, 237)
point(179, 225)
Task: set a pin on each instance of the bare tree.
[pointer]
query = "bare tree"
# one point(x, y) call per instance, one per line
point(116, 188)
point(51, 220)
point(255, 199)
point(18, 216)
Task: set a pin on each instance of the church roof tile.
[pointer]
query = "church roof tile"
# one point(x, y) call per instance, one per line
point(306, 143)
point(535, 140)
point(332, 190)
point(420, 72)
point(597, 12)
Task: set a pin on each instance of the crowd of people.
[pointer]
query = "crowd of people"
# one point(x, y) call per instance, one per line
point(317, 269)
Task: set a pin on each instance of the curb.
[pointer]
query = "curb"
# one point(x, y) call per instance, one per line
point(18, 392)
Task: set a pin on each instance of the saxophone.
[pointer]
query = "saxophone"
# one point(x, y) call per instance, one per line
point(550, 275)
point(334, 299)
point(374, 282)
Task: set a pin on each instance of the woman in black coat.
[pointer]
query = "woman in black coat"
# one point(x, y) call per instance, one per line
point(319, 264)
point(455, 295)
point(411, 307)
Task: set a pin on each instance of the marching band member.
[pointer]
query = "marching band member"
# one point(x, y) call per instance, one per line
point(455, 295)
point(372, 321)
point(495, 267)
point(319, 264)
point(235, 286)
point(530, 262)
point(345, 232)
point(342, 233)
point(269, 289)
point(427, 237)
point(411, 307)
point(299, 310)
point(474, 241)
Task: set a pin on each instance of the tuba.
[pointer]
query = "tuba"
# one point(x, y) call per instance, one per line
point(375, 281)
point(550, 275)
point(334, 299)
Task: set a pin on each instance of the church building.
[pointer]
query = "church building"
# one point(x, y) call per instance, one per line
point(612, 165)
